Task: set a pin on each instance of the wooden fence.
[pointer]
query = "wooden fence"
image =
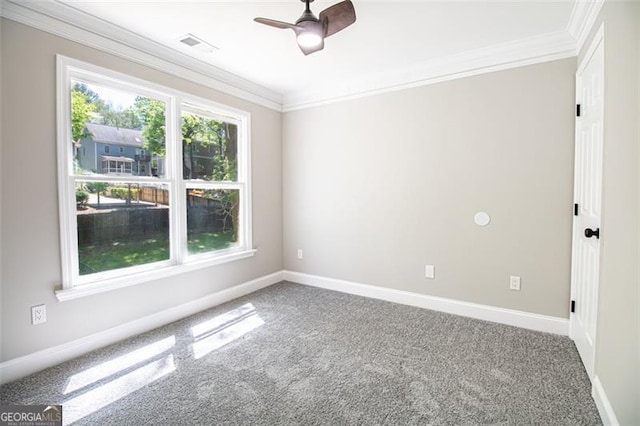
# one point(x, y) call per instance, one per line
point(154, 195)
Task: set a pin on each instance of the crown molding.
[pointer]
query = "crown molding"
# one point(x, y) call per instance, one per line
point(67, 22)
point(70, 23)
point(543, 48)
point(583, 17)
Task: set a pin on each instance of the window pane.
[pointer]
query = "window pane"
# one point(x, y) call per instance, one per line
point(114, 126)
point(212, 219)
point(121, 225)
point(209, 149)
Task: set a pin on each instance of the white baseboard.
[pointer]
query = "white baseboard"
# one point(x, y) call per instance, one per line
point(28, 364)
point(522, 319)
point(605, 409)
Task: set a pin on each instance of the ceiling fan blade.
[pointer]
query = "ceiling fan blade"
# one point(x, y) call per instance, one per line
point(274, 23)
point(309, 50)
point(338, 17)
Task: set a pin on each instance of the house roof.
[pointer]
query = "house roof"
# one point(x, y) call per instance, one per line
point(121, 159)
point(115, 135)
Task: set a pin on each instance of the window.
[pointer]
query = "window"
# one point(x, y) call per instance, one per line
point(120, 224)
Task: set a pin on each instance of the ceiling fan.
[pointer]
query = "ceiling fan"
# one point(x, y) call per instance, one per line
point(311, 31)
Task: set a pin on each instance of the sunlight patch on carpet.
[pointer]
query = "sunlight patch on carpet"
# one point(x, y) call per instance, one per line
point(223, 329)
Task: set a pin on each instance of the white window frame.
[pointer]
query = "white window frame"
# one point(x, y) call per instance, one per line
point(75, 285)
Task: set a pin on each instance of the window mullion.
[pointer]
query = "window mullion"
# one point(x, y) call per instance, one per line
point(244, 175)
point(174, 156)
point(70, 275)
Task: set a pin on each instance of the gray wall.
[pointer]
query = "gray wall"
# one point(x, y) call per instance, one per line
point(88, 160)
point(375, 188)
point(618, 335)
point(30, 236)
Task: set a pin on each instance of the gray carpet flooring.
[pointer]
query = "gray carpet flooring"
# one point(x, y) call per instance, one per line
point(291, 354)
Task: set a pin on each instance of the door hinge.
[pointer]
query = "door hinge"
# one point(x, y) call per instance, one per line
point(578, 110)
point(573, 306)
point(575, 209)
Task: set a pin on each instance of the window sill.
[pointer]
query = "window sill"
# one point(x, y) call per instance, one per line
point(133, 279)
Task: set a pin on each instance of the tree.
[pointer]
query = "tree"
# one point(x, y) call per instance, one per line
point(106, 113)
point(208, 146)
point(231, 136)
point(91, 96)
point(151, 116)
point(127, 118)
point(97, 188)
point(209, 149)
point(81, 109)
point(201, 137)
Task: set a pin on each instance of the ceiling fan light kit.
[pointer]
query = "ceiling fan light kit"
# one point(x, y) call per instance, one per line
point(309, 39)
point(311, 31)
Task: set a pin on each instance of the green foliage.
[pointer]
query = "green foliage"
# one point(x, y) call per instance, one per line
point(209, 146)
point(122, 193)
point(106, 113)
point(91, 96)
point(127, 118)
point(96, 187)
point(151, 113)
point(81, 197)
point(81, 109)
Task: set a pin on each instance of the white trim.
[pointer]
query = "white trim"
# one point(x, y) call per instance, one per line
point(66, 217)
point(529, 51)
point(150, 274)
point(75, 285)
point(65, 21)
point(598, 39)
point(28, 364)
point(605, 409)
point(512, 317)
point(583, 17)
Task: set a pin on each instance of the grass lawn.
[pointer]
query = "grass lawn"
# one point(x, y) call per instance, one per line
point(122, 254)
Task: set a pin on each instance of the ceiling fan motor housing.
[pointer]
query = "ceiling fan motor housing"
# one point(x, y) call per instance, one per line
point(310, 31)
point(307, 16)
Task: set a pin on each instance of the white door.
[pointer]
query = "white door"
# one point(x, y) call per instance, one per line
point(588, 198)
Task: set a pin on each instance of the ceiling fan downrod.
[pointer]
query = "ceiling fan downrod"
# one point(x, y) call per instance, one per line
point(307, 15)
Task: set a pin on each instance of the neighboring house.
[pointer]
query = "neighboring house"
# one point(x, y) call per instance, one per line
point(119, 151)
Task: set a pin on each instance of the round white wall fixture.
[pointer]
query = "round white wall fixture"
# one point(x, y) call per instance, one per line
point(482, 219)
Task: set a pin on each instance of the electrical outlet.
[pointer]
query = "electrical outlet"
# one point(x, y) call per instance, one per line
point(299, 254)
point(429, 271)
point(38, 314)
point(514, 283)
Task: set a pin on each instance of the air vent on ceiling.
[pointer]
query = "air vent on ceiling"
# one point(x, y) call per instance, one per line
point(198, 44)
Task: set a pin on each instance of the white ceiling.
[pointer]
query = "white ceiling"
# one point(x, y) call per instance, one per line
point(391, 43)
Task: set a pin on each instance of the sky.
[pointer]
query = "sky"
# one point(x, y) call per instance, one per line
point(119, 99)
